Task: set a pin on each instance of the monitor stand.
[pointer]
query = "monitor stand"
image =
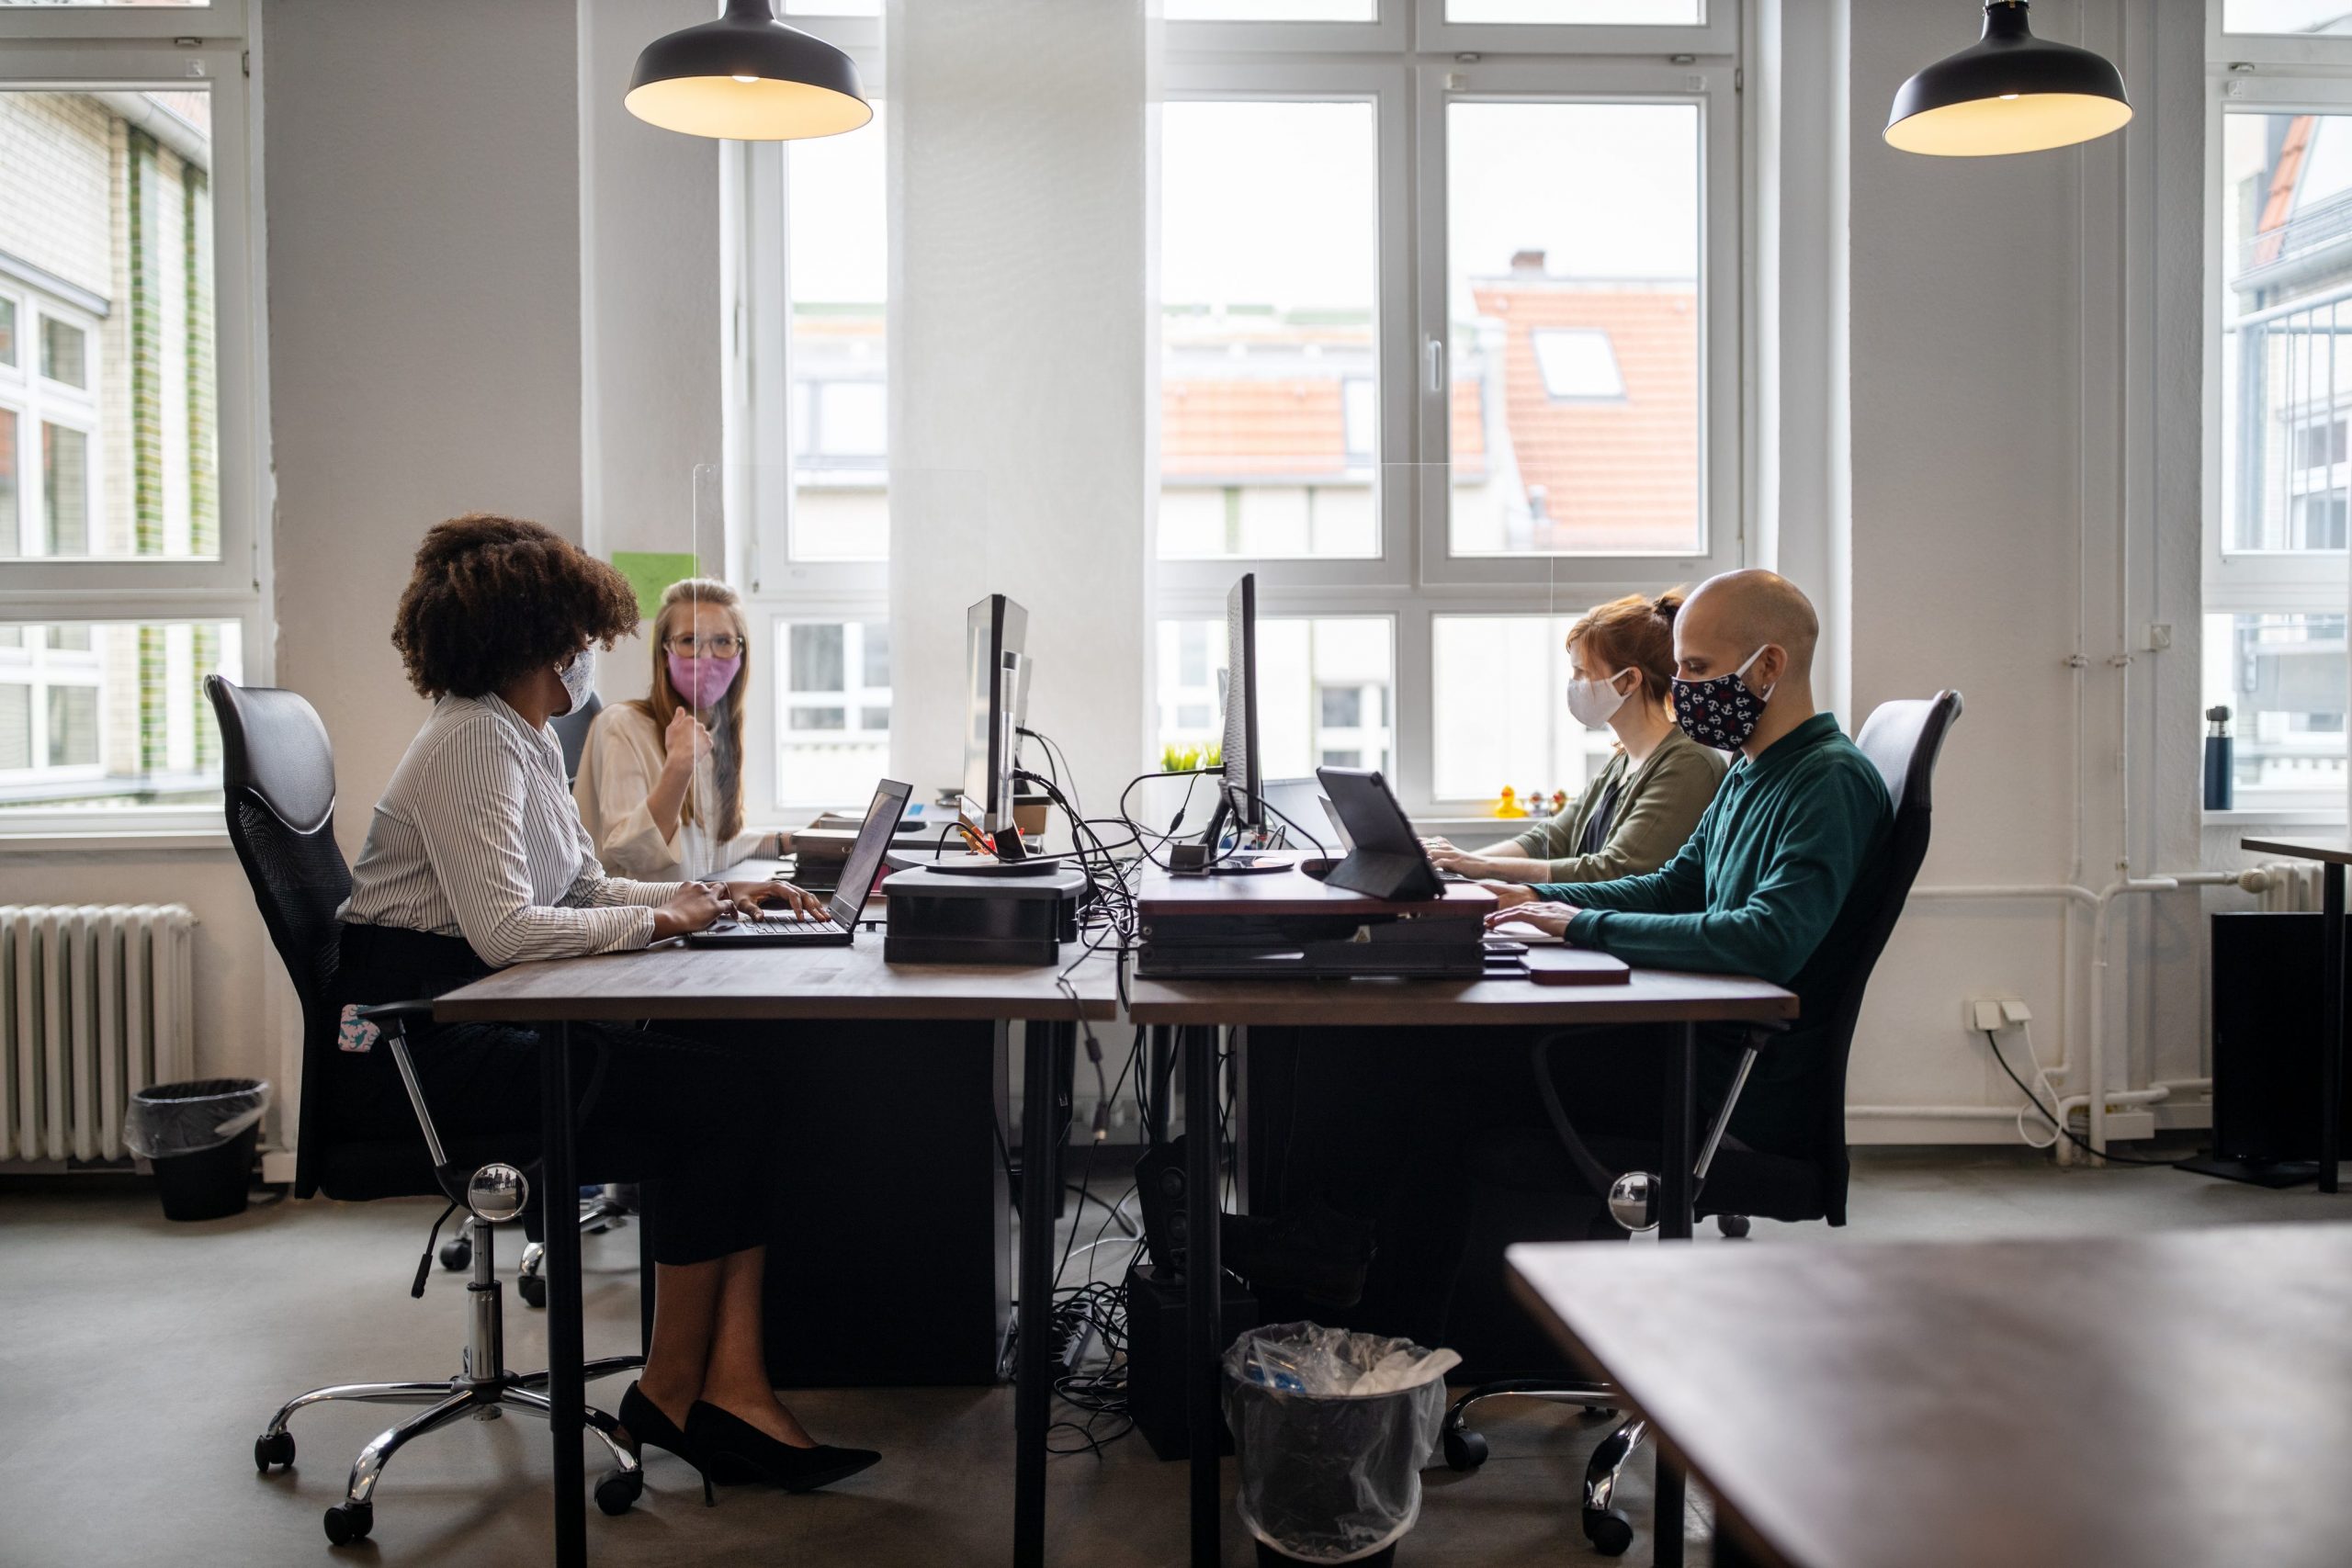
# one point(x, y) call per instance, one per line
point(989, 865)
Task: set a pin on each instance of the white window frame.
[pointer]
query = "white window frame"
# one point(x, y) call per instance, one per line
point(69, 48)
point(754, 518)
point(2262, 73)
point(1408, 63)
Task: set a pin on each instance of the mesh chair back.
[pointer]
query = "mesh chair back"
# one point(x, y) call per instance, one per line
point(571, 733)
point(277, 776)
point(1903, 739)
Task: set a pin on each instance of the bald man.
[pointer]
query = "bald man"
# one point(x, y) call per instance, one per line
point(1760, 885)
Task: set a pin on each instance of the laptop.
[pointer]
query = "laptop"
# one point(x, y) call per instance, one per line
point(858, 874)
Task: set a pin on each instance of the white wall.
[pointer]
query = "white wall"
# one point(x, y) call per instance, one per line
point(1017, 344)
point(2020, 328)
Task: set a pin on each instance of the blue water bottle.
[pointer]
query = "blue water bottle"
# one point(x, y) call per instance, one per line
point(2220, 783)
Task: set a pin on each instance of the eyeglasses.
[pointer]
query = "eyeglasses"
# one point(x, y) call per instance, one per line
point(719, 645)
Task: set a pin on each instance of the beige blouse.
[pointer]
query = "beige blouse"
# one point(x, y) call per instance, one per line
point(618, 769)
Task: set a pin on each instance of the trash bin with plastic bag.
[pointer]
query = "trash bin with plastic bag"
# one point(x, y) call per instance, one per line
point(201, 1135)
point(1330, 1433)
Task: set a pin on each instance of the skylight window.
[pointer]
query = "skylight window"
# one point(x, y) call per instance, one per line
point(1579, 364)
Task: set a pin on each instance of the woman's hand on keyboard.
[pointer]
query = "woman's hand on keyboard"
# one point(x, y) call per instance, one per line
point(756, 899)
point(693, 907)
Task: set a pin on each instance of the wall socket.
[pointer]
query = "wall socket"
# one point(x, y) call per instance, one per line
point(1979, 1014)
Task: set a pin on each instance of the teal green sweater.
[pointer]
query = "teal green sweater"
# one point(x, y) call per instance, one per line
point(1761, 880)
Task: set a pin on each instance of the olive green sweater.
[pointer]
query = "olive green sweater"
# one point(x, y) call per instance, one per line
point(1658, 803)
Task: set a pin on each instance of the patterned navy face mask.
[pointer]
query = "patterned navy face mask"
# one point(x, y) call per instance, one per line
point(1722, 713)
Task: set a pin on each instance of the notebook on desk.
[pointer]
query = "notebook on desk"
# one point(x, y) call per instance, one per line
point(839, 928)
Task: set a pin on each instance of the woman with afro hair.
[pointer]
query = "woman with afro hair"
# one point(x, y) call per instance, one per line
point(476, 859)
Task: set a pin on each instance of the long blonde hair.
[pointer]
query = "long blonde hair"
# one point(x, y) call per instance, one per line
point(678, 605)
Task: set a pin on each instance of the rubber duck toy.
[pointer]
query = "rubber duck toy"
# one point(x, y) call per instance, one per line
point(1508, 804)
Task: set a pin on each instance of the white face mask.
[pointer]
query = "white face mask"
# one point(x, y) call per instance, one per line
point(1594, 703)
point(579, 678)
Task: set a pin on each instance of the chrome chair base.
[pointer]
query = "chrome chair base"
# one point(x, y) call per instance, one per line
point(482, 1389)
point(1608, 1528)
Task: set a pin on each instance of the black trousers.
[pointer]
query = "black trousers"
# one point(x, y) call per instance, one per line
point(687, 1109)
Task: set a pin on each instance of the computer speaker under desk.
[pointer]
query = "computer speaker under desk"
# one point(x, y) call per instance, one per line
point(2269, 969)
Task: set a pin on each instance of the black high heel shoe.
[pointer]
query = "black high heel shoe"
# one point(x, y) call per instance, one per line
point(733, 1451)
point(644, 1422)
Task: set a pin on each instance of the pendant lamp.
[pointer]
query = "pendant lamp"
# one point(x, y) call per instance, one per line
point(2009, 92)
point(747, 77)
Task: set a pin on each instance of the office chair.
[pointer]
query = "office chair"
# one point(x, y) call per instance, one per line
point(1903, 739)
point(277, 776)
point(612, 1204)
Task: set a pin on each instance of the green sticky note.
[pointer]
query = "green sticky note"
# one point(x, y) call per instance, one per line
point(650, 573)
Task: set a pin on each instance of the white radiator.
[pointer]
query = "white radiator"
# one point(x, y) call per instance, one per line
point(96, 1003)
point(2284, 886)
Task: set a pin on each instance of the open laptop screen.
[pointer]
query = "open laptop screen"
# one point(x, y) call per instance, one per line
point(866, 855)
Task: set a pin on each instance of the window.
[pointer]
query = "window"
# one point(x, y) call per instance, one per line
point(95, 715)
point(2286, 16)
point(1324, 687)
point(1573, 243)
point(1269, 376)
point(833, 701)
point(2279, 468)
point(837, 267)
point(127, 513)
point(1476, 368)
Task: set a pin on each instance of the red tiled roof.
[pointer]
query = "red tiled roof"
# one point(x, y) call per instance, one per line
point(2279, 202)
point(1622, 471)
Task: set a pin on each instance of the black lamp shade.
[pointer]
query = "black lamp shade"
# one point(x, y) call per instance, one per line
point(747, 77)
point(2009, 92)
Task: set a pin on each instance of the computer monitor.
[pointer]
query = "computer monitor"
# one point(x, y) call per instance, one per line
point(1241, 792)
point(995, 686)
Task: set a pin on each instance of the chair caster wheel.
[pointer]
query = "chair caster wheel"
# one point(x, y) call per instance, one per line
point(618, 1490)
point(1608, 1530)
point(1465, 1450)
point(456, 1253)
point(1735, 1227)
point(532, 1288)
point(347, 1522)
point(273, 1448)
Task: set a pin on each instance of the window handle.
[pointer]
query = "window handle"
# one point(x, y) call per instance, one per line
point(1433, 358)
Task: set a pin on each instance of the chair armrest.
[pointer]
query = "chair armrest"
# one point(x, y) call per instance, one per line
point(393, 1009)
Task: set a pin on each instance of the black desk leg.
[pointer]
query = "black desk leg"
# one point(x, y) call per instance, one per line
point(1203, 1289)
point(1675, 1156)
point(1158, 1065)
point(645, 1201)
point(567, 1390)
point(1033, 1390)
point(2331, 1033)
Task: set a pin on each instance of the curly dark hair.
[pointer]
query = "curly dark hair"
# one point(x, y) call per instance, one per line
point(494, 598)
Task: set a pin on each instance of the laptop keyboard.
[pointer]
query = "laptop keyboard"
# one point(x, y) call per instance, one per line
point(781, 927)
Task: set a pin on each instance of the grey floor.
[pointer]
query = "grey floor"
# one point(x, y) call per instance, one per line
point(137, 1359)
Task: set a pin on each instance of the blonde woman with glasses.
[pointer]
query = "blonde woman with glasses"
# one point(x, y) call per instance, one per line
point(661, 784)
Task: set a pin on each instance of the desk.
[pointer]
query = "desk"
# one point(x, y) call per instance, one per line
point(1651, 996)
point(2086, 1402)
point(691, 984)
point(2334, 852)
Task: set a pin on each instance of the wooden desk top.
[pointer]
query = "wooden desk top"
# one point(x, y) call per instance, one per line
point(779, 982)
point(1652, 995)
point(2124, 1400)
point(2334, 847)
point(1290, 892)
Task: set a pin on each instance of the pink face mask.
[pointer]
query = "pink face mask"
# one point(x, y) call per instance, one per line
point(702, 681)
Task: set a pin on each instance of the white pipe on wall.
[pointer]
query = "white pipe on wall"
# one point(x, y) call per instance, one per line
point(2100, 903)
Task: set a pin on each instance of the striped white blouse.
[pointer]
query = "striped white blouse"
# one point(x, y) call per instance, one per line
point(476, 837)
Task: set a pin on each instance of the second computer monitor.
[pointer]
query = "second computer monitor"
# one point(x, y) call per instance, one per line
point(996, 686)
point(1242, 789)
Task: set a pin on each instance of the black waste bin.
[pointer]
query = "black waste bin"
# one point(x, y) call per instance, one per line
point(200, 1136)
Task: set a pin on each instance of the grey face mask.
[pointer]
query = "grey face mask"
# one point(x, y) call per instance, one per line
point(579, 678)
